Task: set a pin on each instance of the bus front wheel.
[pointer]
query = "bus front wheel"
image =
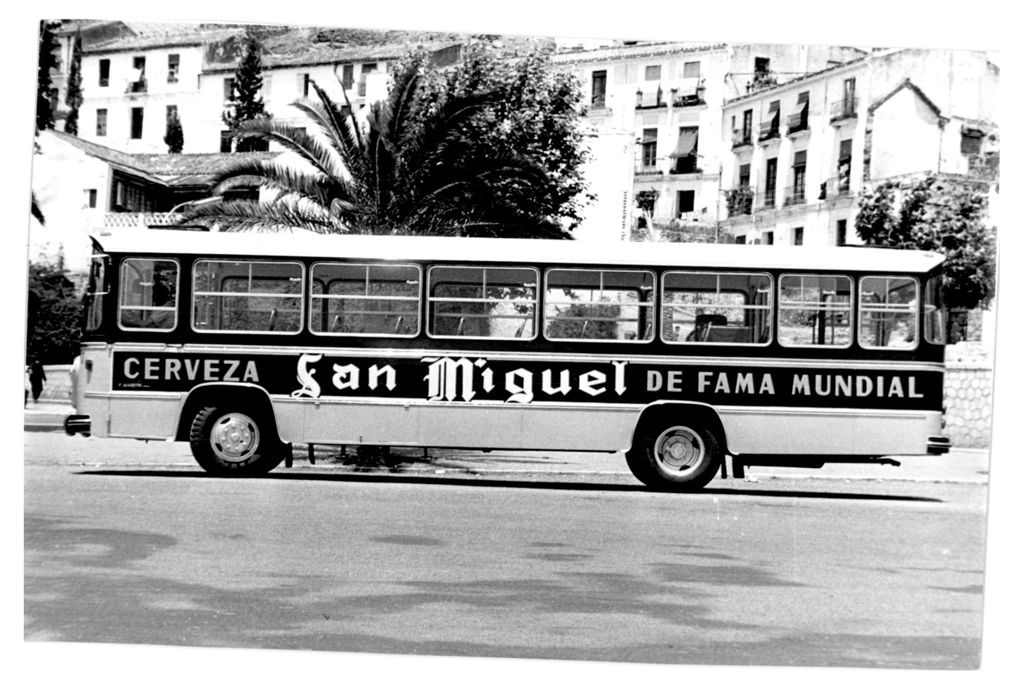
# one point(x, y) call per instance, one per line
point(675, 456)
point(233, 442)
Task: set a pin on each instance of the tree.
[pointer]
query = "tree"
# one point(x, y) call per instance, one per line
point(175, 136)
point(73, 97)
point(48, 61)
point(247, 105)
point(940, 214)
point(535, 113)
point(405, 172)
point(54, 311)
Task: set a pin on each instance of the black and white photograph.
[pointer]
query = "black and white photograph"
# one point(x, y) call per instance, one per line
point(439, 343)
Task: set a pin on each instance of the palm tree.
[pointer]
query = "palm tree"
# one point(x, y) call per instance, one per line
point(405, 173)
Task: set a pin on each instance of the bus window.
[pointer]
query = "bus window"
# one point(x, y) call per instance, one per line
point(888, 312)
point(482, 302)
point(252, 296)
point(585, 304)
point(365, 299)
point(148, 295)
point(934, 316)
point(721, 308)
point(815, 311)
point(95, 291)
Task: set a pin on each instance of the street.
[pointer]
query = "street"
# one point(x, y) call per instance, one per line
point(122, 547)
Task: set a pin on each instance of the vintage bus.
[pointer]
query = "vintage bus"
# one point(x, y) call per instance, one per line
point(681, 355)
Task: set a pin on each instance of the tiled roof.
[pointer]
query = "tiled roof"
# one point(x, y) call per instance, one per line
point(633, 51)
point(173, 169)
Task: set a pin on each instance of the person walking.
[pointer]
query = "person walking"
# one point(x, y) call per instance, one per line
point(36, 377)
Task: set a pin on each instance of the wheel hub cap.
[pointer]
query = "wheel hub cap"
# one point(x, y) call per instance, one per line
point(679, 450)
point(235, 437)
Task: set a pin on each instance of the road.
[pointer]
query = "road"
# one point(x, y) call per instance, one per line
point(120, 548)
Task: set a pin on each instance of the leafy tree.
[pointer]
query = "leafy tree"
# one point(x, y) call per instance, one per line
point(405, 172)
point(585, 321)
point(940, 214)
point(48, 61)
point(175, 136)
point(534, 113)
point(247, 104)
point(54, 311)
point(73, 97)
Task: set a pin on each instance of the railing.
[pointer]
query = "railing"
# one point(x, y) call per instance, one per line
point(766, 199)
point(642, 170)
point(650, 100)
point(835, 187)
point(688, 99)
point(741, 138)
point(739, 201)
point(139, 220)
point(685, 165)
point(597, 101)
point(797, 122)
point(795, 195)
point(844, 109)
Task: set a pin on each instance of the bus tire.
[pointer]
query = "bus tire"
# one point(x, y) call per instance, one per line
point(234, 442)
point(673, 455)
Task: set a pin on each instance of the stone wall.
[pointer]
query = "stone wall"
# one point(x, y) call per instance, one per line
point(969, 376)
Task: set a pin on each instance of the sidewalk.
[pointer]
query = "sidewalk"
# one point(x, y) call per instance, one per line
point(963, 465)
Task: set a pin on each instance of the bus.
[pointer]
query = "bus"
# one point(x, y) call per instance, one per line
point(683, 356)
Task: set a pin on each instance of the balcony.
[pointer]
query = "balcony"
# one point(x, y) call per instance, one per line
point(688, 100)
point(767, 199)
point(844, 110)
point(650, 100)
point(685, 165)
point(797, 123)
point(769, 130)
point(647, 171)
point(835, 187)
point(795, 195)
point(739, 201)
point(138, 86)
point(741, 139)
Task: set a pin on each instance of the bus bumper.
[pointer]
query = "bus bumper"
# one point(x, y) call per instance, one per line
point(77, 424)
point(938, 445)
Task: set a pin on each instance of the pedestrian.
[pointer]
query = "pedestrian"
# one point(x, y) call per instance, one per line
point(36, 377)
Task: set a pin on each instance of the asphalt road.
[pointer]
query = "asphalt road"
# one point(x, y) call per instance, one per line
point(584, 567)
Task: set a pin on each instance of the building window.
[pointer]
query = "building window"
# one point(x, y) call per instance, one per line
point(741, 239)
point(136, 123)
point(104, 72)
point(771, 174)
point(798, 192)
point(172, 114)
point(101, 122)
point(649, 148)
point(347, 77)
point(691, 70)
point(970, 141)
point(652, 73)
point(685, 154)
point(798, 236)
point(685, 201)
point(367, 69)
point(225, 142)
point(90, 198)
point(745, 175)
point(598, 86)
point(769, 237)
point(173, 65)
point(762, 66)
point(304, 84)
point(137, 81)
point(845, 163)
point(748, 125)
point(840, 232)
point(229, 89)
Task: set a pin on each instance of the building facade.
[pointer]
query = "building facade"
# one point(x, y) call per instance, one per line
point(799, 154)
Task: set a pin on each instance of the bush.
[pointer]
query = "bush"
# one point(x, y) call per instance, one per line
point(54, 316)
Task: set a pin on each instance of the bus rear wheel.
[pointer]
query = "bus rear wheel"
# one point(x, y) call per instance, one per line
point(234, 442)
point(674, 456)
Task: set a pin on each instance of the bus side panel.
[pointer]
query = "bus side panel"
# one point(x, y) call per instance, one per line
point(455, 425)
point(789, 431)
point(144, 415)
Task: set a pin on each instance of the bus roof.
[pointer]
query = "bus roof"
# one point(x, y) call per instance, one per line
point(301, 243)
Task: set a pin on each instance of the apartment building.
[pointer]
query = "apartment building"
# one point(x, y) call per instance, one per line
point(798, 154)
point(136, 77)
point(670, 97)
